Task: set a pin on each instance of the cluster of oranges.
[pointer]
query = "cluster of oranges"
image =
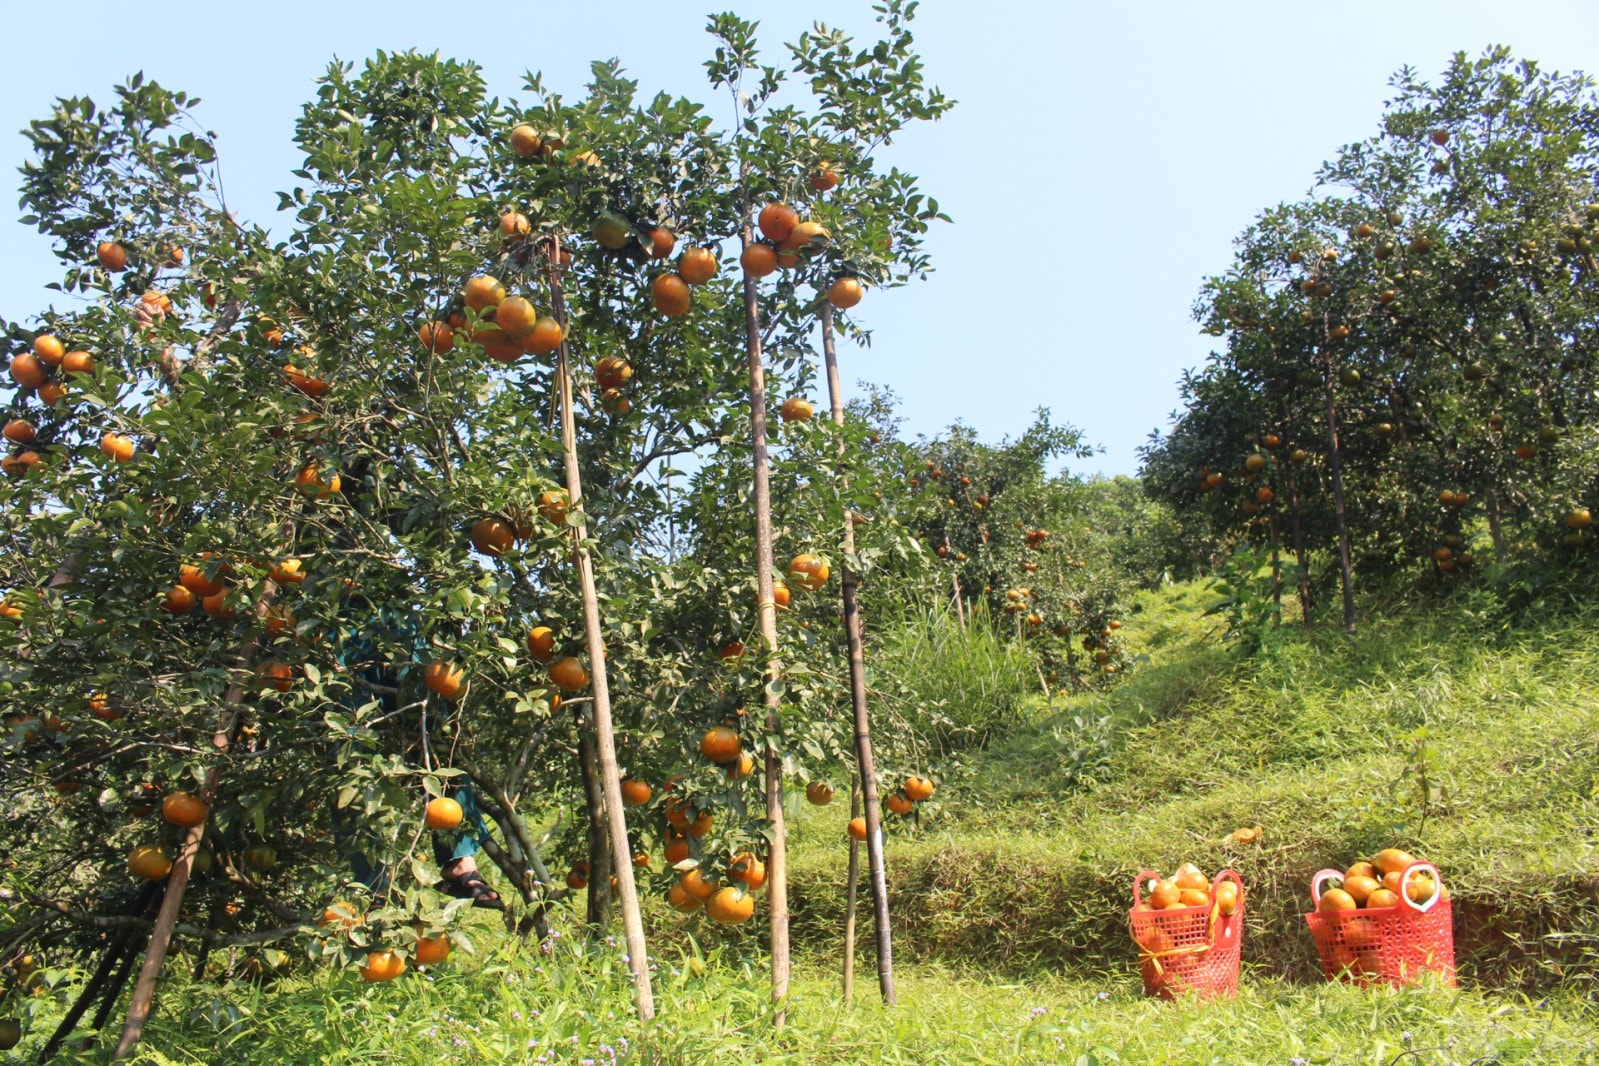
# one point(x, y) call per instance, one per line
point(44, 368)
point(902, 801)
point(1379, 884)
point(1189, 887)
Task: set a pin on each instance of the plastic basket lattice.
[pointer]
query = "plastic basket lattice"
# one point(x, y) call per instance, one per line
point(1397, 945)
point(1188, 949)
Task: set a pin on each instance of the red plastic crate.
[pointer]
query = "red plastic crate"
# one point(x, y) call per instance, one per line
point(1188, 949)
point(1396, 945)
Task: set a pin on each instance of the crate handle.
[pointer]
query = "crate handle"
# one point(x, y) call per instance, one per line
point(1138, 884)
point(1421, 866)
point(1321, 878)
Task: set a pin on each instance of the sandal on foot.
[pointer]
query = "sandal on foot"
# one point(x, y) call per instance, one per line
point(472, 886)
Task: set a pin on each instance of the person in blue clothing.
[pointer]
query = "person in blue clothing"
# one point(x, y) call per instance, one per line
point(455, 850)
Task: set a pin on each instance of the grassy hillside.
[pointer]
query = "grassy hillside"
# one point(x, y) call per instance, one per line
point(1465, 740)
point(1427, 731)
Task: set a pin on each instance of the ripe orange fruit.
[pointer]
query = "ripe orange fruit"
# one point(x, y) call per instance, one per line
point(493, 536)
point(315, 388)
point(445, 678)
point(311, 481)
point(553, 504)
point(1165, 895)
point(287, 572)
point(899, 803)
point(700, 825)
point(661, 242)
point(149, 862)
point(1382, 897)
point(824, 178)
point(569, 675)
point(1189, 876)
point(697, 265)
point(443, 813)
point(1360, 869)
point(49, 349)
point(671, 295)
point(217, 606)
point(615, 402)
point(18, 465)
point(195, 579)
point(516, 317)
point(432, 950)
point(681, 899)
point(758, 260)
point(1335, 900)
point(27, 370)
point(578, 876)
point(545, 337)
point(436, 337)
point(112, 256)
point(178, 600)
point(19, 431)
point(383, 966)
point(1361, 887)
point(742, 767)
point(483, 292)
point(612, 372)
point(845, 293)
point(1194, 897)
point(748, 869)
point(805, 235)
point(781, 596)
point(278, 619)
point(276, 675)
point(184, 810)
point(117, 447)
point(541, 643)
point(731, 652)
point(525, 141)
point(730, 906)
point(1420, 889)
point(918, 788)
point(636, 793)
point(1579, 518)
point(721, 744)
point(1226, 898)
point(1390, 860)
point(677, 848)
point(77, 363)
point(515, 224)
point(820, 793)
point(696, 884)
point(808, 571)
point(797, 409)
point(777, 221)
point(857, 828)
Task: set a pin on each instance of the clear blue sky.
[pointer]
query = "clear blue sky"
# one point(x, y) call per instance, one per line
point(1100, 161)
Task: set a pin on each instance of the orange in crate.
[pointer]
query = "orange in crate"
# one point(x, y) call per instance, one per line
point(1191, 948)
point(1395, 944)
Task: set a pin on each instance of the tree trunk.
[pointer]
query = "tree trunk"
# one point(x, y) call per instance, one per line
point(1335, 463)
point(604, 736)
point(954, 575)
point(1496, 525)
point(1276, 576)
point(178, 880)
point(1299, 548)
point(599, 837)
point(853, 629)
point(777, 861)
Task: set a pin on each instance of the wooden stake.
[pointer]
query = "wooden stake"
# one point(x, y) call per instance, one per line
point(1335, 464)
point(777, 861)
point(853, 628)
point(854, 895)
point(604, 735)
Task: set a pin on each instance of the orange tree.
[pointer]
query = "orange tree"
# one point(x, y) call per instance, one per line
point(1416, 344)
point(328, 485)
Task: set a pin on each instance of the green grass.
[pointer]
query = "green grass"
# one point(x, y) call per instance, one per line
point(1010, 890)
point(515, 1007)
